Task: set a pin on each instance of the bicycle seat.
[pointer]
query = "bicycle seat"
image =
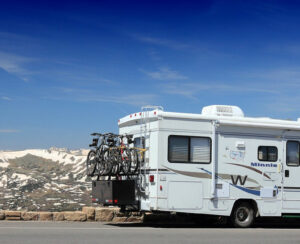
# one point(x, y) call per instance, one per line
point(130, 141)
point(110, 139)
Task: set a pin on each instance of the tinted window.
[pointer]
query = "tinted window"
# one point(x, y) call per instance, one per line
point(200, 150)
point(139, 142)
point(292, 153)
point(178, 149)
point(267, 153)
point(187, 149)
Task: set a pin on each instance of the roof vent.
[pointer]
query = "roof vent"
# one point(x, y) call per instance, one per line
point(223, 110)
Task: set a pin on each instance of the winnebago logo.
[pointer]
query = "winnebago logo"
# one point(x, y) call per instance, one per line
point(238, 178)
point(263, 165)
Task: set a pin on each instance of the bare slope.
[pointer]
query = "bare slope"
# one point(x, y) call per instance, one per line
point(39, 179)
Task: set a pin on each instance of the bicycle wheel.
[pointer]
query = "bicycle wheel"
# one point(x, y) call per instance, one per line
point(126, 161)
point(115, 159)
point(134, 164)
point(91, 163)
point(100, 167)
point(106, 162)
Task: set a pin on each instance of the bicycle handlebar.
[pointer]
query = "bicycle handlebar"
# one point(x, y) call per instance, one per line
point(96, 134)
point(105, 134)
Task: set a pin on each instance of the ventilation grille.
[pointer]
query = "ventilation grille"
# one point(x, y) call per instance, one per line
point(223, 110)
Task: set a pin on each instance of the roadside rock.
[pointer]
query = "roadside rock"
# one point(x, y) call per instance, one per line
point(2, 215)
point(135, 219)
point(29, 216)
point(46, 216)
point(90, 213)
point(75, 216)
point(58, 216)
point(119, 219)
point(13, 215)
point(105, 214)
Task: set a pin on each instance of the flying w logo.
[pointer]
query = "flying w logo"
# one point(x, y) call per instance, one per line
point(237, 179)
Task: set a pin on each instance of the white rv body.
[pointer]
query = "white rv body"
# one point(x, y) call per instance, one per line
point(230, 146)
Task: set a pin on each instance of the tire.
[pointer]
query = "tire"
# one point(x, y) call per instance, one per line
point(243, 215)
point(134, 164)
point(112, 163)
point(126, 161)
point(91, 163)
point(100, 166)
point(106, 163)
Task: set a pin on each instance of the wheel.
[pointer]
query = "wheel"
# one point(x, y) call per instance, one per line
point(243, 215)
point(107, 163)
point(134, 164)
point(101, 166)
point(91, 163)
point(112, 165)
point(125, 161)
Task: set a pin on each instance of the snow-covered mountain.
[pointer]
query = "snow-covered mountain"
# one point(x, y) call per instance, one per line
point(44, 179)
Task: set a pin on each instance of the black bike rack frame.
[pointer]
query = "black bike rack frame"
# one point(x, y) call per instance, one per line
point(115, 192)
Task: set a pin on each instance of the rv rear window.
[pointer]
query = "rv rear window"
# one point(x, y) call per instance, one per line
point(292, 153)
point(186, 149)
point(139, 142)
point(267, 153)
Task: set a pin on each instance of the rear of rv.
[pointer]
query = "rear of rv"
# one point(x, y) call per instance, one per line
point(134, 191)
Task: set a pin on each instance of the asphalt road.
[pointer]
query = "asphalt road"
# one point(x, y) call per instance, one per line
point(92, 232)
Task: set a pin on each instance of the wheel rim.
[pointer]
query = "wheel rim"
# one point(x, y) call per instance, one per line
point(243, 215)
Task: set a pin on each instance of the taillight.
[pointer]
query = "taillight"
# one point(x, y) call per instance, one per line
point(151, 178)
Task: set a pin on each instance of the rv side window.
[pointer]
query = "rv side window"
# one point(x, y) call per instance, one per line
point(199, 150)
point(267, 153)
point(185, 149)
point(292, 153)
point(178, 149)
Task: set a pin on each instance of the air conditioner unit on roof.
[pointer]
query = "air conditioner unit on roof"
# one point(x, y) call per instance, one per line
point(223, 110)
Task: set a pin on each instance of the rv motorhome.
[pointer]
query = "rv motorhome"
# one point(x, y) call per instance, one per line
point(218, 162)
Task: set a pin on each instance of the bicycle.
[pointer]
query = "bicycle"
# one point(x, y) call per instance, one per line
point(98, 158)
point(125, 153)
point(113, 156)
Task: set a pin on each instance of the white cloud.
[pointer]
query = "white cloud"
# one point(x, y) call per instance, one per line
point(86, 95)
point(131, 99)
point(165, 74)
point(15, 64)
point(161, 42)
point(6, 98)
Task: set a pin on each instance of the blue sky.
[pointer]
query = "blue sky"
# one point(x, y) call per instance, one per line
point(71, 68)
